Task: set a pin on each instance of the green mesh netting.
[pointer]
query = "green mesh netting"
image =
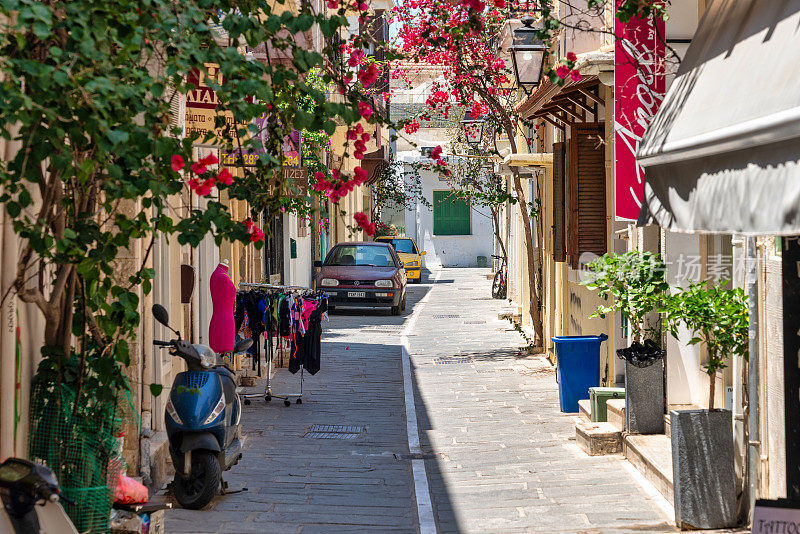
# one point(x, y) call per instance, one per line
point(80, 446)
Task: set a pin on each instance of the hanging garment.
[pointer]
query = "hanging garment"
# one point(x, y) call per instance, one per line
point(284, 318)
point(312, 342)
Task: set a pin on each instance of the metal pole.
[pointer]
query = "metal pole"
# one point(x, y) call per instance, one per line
point(754, 443)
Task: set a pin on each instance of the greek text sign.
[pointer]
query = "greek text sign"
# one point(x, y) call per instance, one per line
point(638, 90)
point(201, 103)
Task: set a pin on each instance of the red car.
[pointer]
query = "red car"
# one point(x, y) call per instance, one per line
point(363, 275)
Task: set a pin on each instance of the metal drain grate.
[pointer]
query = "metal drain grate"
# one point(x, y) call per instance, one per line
point(474, 322)
point(446, 316)
point(383, 328)
point(334, 432)
point(442, 360)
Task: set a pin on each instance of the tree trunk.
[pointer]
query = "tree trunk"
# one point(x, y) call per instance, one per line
point(532, 262)
point(496, 229)
point(711, 390)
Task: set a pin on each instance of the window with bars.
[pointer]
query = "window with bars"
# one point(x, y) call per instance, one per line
point(451, 215)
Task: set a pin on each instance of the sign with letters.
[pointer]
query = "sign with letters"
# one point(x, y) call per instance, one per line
point(776, 517)
point(638, 92)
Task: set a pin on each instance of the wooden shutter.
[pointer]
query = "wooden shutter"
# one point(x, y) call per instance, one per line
point(559, 203)
point(450, 215)
point(587, 184)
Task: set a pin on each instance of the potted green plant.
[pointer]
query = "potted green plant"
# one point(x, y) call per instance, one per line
point(702, 440)
point(634, 284)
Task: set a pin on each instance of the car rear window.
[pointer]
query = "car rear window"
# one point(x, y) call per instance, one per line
point(402, 245)
point(360, 255)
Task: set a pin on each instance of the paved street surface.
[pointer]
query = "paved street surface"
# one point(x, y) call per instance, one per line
point(500, 457)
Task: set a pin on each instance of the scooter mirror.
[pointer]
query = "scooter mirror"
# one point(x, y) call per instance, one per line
point(243, 345)
point(160, 314)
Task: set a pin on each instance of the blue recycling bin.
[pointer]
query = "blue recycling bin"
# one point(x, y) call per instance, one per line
point(578, 360)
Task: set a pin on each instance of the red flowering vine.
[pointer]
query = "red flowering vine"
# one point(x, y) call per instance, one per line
point(362, 220)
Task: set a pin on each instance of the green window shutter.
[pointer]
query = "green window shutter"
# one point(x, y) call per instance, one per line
point(450, 215)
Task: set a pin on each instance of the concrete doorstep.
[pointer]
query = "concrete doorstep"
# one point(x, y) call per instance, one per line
point(650, 454)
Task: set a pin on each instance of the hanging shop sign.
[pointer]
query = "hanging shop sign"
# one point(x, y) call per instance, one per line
point(202, 104)
point(292, 144)
point(773, 517)
point(639, 86)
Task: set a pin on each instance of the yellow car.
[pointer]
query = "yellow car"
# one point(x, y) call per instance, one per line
point(409, 255)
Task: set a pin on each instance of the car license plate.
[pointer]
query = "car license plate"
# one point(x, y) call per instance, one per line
point(356, 294)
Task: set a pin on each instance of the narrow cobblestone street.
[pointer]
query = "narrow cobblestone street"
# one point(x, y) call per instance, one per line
point(499, 455)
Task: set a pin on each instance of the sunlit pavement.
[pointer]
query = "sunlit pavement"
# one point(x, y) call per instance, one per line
point(499, 456)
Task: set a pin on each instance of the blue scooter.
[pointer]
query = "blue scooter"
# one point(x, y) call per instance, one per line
point(202, 419)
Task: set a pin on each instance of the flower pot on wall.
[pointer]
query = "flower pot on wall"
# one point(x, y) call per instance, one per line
point(644, 388)
point(704, 483)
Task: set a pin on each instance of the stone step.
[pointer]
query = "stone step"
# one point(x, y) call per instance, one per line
point(651, 454)
point(616, 413)
point(585, 409)
point(597, 439)
point(667, 426)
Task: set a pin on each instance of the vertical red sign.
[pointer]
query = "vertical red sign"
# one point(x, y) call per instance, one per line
point(638, 92)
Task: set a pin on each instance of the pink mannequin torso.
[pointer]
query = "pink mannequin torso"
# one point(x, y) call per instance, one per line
point(221, 335)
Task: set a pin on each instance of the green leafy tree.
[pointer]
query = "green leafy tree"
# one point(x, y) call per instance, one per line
point(88, 96)
point(633, 284)
point(715, 316)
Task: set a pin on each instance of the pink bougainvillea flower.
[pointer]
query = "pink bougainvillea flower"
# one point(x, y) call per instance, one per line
point(365, 110)
point(177, 162)
point(211, 159)
point(361, 218)
point(256, 234)
point(193, 183)
point(575, 75)
point(500, 4)
point(363, 6)
point(249, 224)
point(477, 5)
point(365, 137)
point(360, 175)
point(333, 4)
point(359, 128)
point(352, 135)
point(571, 56)
point(369, 75)
point(562, 71)
point(411, 127)
point(356, 57)
point(225, 177)
point(319, 176)
point(205, 188)
point(436, 153)
point(198, 168)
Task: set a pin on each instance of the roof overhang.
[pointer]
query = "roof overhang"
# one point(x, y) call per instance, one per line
point(538, 159)
point(722, 155)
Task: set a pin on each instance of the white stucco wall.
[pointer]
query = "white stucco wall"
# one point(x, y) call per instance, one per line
point(450, 250)
point(298, 270)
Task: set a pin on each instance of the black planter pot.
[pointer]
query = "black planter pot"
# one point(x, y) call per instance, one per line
point(644, 388)
point(704, 483)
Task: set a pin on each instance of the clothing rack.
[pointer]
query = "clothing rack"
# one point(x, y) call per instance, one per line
point(268, 394)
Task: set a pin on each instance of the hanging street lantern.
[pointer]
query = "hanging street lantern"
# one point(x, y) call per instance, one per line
point(473, 130)
point(527, 53)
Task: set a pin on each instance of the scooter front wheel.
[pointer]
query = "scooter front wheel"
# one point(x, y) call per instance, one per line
point(197, 490)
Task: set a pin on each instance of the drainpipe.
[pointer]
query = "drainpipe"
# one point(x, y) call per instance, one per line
point(754, 443)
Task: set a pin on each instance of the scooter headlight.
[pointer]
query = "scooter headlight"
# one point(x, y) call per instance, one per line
point(218, 409)
point(172, 413)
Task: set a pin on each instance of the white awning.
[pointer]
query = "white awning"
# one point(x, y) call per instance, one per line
point(723, 152)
